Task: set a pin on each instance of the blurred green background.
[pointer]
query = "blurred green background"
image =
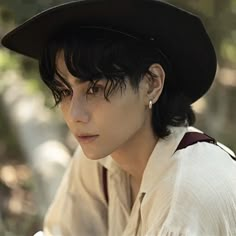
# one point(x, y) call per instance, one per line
point(35, 145)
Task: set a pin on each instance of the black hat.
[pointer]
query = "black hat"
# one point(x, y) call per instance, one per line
point(178, 33)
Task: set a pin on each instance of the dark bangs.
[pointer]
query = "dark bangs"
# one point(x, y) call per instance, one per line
point(86, 57)
point(95, 54)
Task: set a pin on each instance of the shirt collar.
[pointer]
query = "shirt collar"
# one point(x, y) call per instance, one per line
point(160, 158)
point(109, 164)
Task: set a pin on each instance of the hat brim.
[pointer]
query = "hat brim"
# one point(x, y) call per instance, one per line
point(178, 33)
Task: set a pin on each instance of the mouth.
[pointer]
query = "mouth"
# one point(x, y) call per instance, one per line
point(86, 138)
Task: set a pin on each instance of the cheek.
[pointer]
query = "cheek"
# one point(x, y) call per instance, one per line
point(64, 110)
point(123, 121)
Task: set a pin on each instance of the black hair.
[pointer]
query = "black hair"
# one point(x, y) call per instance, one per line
point(95, 54)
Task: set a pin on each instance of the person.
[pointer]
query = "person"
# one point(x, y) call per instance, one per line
point(124, 74)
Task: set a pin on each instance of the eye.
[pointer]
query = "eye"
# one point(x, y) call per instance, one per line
point(95, 90)
point(66, 92)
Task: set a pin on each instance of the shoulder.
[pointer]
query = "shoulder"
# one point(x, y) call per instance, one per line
point(80, 184)
point(206, 161)
point(205, 189)
point(206, 168)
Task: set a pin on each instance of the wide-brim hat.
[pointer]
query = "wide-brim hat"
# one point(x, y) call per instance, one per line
point(178, 33)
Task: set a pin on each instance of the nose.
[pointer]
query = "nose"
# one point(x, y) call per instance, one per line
point(78, 111)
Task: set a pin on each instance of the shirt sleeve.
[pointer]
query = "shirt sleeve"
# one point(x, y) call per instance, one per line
point(204, 200)
point(79, 207)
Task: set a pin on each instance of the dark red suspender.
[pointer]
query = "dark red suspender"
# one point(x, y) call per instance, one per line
point(105, 185)
point(189, 138)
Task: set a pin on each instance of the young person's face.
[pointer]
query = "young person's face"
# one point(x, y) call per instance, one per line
point(100, 126)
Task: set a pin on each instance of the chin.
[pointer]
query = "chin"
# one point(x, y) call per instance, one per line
point(93, 156)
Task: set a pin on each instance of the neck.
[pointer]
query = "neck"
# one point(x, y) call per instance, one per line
point(133, 156)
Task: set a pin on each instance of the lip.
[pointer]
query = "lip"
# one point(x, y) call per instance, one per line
point(86, 138)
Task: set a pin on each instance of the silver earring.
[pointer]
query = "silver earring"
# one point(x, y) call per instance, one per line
point(150, 104)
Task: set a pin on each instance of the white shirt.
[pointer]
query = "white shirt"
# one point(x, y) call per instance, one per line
point(189, 192)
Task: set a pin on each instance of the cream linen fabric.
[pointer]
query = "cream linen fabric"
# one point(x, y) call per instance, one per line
point(191, 192)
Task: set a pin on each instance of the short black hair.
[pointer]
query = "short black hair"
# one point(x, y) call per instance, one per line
point(95, 54)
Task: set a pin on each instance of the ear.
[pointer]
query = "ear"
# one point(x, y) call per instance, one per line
point(155, 83)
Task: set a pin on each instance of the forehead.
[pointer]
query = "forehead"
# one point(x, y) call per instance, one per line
point(61, 67)
point(62, 72)
point(60, 60)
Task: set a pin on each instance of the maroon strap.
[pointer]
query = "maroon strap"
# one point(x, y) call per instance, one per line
point(191, 138)
point(105, 186)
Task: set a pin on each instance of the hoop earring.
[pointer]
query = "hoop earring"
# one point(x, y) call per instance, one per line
point(150, 104)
